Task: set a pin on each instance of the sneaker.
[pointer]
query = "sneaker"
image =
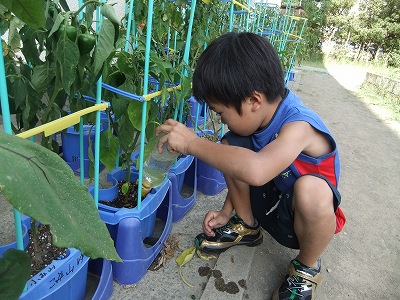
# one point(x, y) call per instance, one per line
point(235, 232)
point(300, 283)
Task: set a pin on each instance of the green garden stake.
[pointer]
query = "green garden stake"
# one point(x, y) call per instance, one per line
point(5, 109)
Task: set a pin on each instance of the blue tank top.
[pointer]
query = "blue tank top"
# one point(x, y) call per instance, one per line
point(289, 110)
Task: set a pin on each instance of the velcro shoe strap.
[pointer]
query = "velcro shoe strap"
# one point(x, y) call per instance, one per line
point(317, 279)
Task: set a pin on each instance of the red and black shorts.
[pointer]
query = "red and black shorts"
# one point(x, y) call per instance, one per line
point(273, 208)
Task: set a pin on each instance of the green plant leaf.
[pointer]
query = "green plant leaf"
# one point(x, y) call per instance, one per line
point(29, 46)
point(135, 113)
point(15, 270)
point(14, 39)
point(119, 105)
point(67, 54)
point(105, 45)
point(30, 12)
point(109, 149)
point(19, 91)
point(126, 131)
point(108, 11)
point(125, 188)
point(38, 183)
point(42, 76)
point(59, 20)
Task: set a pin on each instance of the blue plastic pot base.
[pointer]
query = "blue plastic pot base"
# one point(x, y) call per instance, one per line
point(25, 240)
point(210, 181)
point(178, 176)
point(101, 270)
point(136, 255)
point(131, 228)
point(62, 280)
point(76, 165)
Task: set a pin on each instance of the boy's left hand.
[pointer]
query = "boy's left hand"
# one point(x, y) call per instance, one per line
point(178, 136)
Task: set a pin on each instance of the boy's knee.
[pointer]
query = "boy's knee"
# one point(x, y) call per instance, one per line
point(312, 193)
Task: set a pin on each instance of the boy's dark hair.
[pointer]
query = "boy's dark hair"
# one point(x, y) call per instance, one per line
point(234, 66)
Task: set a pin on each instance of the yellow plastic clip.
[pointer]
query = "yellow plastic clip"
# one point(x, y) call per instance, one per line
point(62, 123)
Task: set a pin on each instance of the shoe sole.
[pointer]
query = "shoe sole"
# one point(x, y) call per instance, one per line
point(219, 251)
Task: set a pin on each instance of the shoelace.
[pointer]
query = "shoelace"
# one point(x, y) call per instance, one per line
point(221, 229)
point(295, 284)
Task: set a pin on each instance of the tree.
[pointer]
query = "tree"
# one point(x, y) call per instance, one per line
point(313, 36)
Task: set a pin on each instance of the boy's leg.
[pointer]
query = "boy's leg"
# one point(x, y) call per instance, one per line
point(239, 196)
point(313, 205)
point(314, 217)
point(242, 229)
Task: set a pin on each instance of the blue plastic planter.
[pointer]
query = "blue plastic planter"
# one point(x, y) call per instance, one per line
point(129, 227)
point(25, 240)
point(210, 181)
point(193, 111)
point(178, 175)
point(70, 142)
point(291, 76)
point(103, 269)
point(63, 279)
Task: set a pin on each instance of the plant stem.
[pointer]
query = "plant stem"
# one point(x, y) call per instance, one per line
point(35, 242)
point(85, 4)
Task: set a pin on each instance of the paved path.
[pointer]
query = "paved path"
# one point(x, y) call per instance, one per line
point(362, 262)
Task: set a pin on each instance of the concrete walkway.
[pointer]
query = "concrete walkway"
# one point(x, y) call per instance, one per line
point(362, 262)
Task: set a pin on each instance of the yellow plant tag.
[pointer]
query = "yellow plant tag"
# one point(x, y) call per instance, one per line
point(206, 1)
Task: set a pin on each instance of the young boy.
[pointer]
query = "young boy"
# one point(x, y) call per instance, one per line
point(280, 162)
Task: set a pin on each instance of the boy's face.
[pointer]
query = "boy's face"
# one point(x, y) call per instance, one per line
point(244, 124)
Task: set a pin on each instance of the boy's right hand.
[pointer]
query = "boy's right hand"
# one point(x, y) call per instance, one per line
point(178, 136)
point(214, 219)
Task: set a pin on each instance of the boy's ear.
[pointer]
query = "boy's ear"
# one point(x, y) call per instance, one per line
point(255, 100)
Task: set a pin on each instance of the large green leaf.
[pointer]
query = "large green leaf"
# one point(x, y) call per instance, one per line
point(42, 76)
point(14, 39)
point(104, 46)
point(15, 269)
point(29, 46)
point(109, 149)
point(67, 54)
point(126, 132)
point(30, 12)
point(19, 91)
point(135, 114)
point(108, 11)
point(38, 183)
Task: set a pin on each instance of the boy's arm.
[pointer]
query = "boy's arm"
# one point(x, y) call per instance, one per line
point(214, 219)
point(254, 168)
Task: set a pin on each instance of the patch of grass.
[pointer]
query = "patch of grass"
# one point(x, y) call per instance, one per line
point(370, 66)
point(369, 92)
point(313, 63)
point(376, 96)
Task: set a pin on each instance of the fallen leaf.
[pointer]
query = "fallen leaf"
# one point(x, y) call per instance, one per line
point(184, 258)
